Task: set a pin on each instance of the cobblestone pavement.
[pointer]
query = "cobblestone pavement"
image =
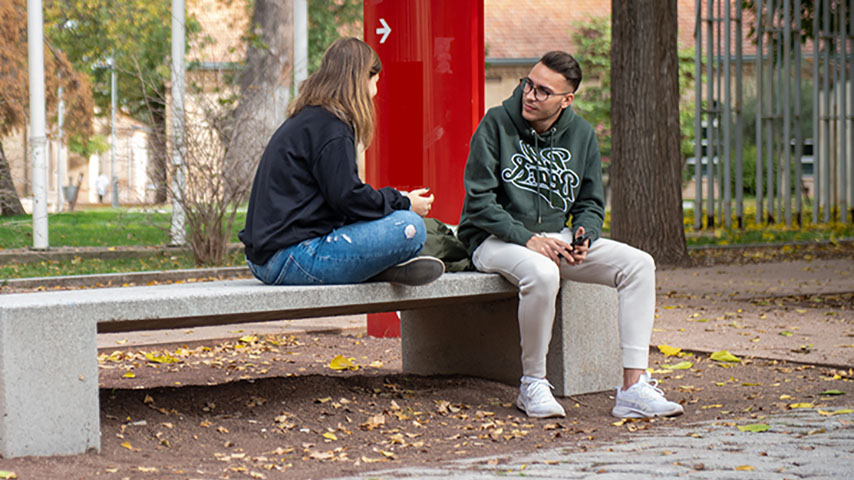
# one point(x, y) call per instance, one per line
point(801, 444)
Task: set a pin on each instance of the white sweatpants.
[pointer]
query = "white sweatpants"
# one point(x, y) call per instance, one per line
point(629, 270)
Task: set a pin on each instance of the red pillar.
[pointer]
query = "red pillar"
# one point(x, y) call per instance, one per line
point(429, 103)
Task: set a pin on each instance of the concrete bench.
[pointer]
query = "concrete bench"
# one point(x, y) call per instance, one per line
point(464, 323)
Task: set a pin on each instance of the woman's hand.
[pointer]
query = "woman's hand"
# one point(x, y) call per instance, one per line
point(420, 201)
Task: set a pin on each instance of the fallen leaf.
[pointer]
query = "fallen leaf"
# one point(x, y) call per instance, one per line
point(340, 362)
point(161, 358)
point(679, 366)
point(322, 455)
point(129, 375)
point(800, 405)
point(833, 392)
point(373, 422)
point(786, 333)
point(837, 412)
point(6, 474)
point(724, 356)
point(330, 436)
point(669, 351)
point(745, 468)
point(754, 427)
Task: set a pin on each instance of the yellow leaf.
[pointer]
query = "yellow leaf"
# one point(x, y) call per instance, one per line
point(668, 350)
point(248, 338)
point(785, 397)
point(724, 356)
point(679, 366)
point(837, 412)
point(755, 427)
point(127, 445)
point(160, 358)
point(5, 474)
point(340, 362)
point(745, 468)
point(330, 436)
point(717, 405)
point(800, 405)
point(129, 375)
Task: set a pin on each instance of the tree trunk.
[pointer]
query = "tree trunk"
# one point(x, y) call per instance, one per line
point(646, 208)
point(10, 204)
point(265, 86)
point(157, 146)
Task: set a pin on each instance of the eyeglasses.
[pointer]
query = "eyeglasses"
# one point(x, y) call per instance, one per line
point(541, 93)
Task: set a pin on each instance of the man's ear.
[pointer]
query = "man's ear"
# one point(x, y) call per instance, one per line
point(567, 100)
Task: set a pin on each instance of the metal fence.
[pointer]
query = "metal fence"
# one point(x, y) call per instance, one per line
point(781, 51)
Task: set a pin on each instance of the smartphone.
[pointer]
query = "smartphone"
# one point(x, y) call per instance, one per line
point(578, 241)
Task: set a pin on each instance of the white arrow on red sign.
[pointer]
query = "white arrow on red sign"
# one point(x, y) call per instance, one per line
point(384, 30)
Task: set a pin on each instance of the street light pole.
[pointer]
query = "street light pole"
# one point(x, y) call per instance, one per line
point(300, 43)
point(113, 96)
point(178, 231)
point(38, 140)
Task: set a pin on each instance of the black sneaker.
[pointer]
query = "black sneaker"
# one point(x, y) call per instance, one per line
point(413, 272)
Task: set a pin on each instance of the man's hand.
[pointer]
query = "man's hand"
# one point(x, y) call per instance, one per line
point(551, 247)
point(579, 252)
point(420, 202)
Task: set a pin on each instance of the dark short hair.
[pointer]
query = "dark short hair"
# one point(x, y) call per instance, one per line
point(564, 64)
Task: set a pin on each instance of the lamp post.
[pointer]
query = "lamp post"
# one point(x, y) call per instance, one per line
point(177, 231)
point(35, 47)
point(113, 95)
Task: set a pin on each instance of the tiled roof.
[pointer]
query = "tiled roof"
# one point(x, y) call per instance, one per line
point(529, 28)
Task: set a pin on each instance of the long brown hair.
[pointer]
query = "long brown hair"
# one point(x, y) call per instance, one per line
point(340, 85)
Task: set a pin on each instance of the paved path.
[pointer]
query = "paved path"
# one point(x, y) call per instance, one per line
point(798, 445)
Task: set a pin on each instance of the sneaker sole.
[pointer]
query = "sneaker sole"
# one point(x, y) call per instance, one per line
point(521, 407)
point(413, 272)
point(626, 412)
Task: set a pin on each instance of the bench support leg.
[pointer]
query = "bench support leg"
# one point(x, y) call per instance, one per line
point(482, 339)
point(48, 387)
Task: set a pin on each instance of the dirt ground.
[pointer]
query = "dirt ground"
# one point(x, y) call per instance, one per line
point(274, 406)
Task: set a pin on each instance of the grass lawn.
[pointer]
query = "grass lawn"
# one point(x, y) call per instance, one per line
point(102, 227)
point(105, 227)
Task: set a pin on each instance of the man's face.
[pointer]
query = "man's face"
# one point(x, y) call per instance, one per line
point(542, 113)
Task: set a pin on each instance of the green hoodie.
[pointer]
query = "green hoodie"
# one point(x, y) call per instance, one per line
point(519, 183)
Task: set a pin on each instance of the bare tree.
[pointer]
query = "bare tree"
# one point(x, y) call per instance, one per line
point(213, 190)
point(646, 208)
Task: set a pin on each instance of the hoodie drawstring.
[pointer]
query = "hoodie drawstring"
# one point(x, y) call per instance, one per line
point(537, 174)
point(537, 159)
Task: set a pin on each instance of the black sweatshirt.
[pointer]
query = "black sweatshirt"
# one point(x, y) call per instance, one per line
point(307, 184)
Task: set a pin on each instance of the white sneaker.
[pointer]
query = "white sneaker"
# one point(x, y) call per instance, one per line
point(536, 399)
point(644, 399)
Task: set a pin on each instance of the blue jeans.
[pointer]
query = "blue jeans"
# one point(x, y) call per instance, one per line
point(350, 254)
